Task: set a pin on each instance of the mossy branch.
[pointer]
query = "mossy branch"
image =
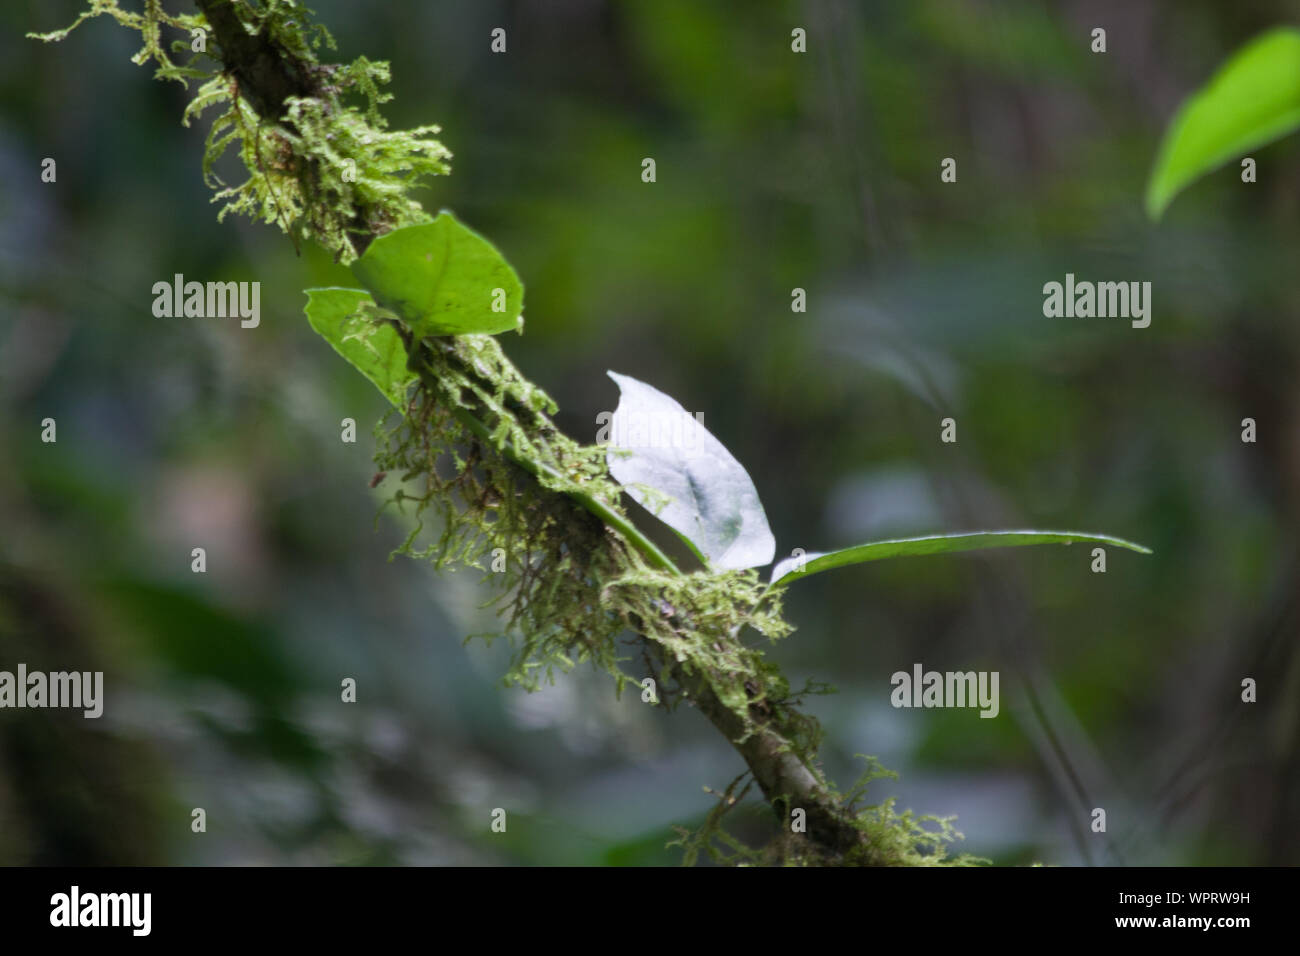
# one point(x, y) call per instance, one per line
point(540, 469)
point(479, 436)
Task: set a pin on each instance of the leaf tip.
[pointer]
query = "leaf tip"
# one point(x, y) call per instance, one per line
point(1156, 203)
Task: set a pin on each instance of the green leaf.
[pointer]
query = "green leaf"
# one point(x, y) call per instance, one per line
point(1252, 100)
point(374, 348)
point(442, 278)
point(938, 544)
point(681, 473)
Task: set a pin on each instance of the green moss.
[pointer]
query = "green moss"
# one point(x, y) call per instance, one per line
point(571, 585)
point(148, 24)
point(476, 446)
point(326, 170)
point(889, 838)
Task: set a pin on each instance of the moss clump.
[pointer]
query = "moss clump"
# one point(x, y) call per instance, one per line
point(568, 584)
point(321, 170)
point(889, 838)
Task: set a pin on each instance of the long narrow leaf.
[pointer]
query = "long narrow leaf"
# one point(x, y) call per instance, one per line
point(938, 544)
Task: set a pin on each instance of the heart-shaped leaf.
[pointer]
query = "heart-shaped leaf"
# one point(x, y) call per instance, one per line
point(806, 564)
point(673, 467)
point(443, 278)
point(374, 348)
point(1252, 100)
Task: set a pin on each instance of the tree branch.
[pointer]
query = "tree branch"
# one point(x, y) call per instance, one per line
point(268, 75)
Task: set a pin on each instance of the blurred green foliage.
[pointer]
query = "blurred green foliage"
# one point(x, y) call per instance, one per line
point(775, 170)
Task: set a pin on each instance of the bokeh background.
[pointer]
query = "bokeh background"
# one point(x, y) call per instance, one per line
point(775, 170)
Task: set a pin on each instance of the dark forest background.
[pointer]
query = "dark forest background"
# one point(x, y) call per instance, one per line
point(775, 170)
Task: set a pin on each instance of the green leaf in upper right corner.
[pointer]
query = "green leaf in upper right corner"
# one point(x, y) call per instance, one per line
point(1251, 101)
point(374, 348)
